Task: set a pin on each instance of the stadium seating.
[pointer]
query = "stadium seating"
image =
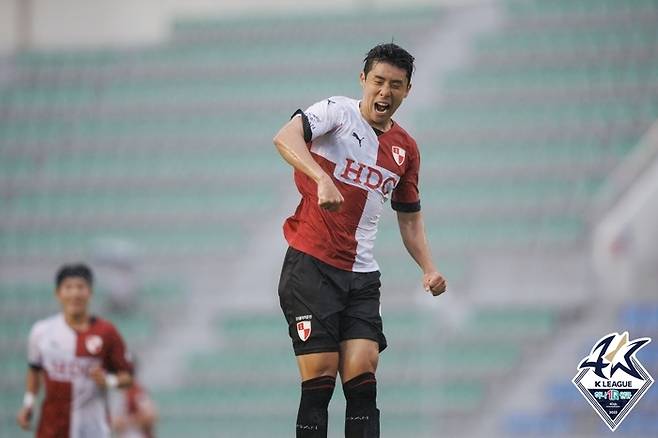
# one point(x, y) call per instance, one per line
point(165, 146)
point(153, 146)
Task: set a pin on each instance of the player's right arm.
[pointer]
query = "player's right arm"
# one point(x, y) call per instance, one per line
point(32, 384)
point(33, 378)
point(290, 143)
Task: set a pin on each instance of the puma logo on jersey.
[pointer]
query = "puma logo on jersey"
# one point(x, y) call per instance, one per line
point(355, 135)
point(367, 176)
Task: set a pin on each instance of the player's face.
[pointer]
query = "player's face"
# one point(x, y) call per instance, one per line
point(74, 294)
point(384, 89)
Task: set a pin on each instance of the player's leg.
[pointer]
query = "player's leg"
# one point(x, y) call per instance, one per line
point(362, 339)
point(357, 356)
point(317, 358)
point(318, 364)
point(318, 374)
point(310, 294)
point(357, 367)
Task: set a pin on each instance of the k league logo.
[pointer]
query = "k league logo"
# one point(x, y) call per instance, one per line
point(611, 378)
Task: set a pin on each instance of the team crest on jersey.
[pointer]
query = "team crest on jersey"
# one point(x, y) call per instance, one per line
point(94, 343)
point(398, 154)
point(611, 378)
point(304, 330)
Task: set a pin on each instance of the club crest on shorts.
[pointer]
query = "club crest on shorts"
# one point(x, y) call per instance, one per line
point(612, 379)
point(304, 330)
point(94, 343)
point(398, 154)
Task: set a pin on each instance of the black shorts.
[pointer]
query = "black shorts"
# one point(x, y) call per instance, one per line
point(325, 305)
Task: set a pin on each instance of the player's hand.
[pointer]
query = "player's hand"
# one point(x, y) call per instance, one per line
point(329, 197)
point(97, 374)
point(24, 417)
point(434, 282)
point(120, 424)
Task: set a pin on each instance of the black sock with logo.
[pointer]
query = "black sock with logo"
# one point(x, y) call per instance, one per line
point(312, 414)
point(361, 413)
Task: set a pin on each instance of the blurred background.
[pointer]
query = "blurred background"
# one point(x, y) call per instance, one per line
point(136, 136)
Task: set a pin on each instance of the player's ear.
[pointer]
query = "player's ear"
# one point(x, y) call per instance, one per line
point(406, 93)
point(362, 79)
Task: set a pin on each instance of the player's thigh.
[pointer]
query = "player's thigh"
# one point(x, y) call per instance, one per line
point(357, 356)
point(318, 364)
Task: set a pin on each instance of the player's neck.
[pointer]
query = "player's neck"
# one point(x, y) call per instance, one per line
point(383, 127)
point(386, 127)
point(78, 322)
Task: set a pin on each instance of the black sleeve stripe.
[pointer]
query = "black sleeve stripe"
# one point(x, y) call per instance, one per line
point(35, 366)
point(406, 207)
point(308, 135)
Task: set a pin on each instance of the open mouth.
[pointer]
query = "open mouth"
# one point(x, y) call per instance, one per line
point(381, 107)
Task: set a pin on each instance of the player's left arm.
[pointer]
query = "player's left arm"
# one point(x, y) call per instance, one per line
point(105, 379)
point(116, 370)
point(412, 230)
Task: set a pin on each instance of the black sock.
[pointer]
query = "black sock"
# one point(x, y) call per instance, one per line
point(361, 413)
point(312, 414)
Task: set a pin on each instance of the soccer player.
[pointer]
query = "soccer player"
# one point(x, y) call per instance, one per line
point(349, 157)
point(79, 357)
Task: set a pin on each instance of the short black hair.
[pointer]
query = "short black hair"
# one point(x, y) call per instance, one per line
point(392, 54)
point(74, 270)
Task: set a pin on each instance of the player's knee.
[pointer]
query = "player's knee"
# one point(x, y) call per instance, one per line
point(312, 414)
point(356, 367)
point(318, 391)
point(361, 387)
point(317, 365)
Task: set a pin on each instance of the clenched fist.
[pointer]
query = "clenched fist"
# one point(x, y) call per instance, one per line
point(329, 197)
point(434, 282)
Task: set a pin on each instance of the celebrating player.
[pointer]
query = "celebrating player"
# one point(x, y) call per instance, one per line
point(79, 357)
point(349, 157)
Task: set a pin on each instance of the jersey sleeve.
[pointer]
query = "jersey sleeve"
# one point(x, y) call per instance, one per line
point(406, 196)
point(116, 359)
point(34, 357)
point(320, 118)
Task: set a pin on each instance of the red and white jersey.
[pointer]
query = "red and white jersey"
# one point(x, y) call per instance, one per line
point(74, 406)
point(367, 167)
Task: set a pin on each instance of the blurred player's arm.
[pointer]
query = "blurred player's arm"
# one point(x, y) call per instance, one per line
point(115, 370)
point(144, 418)
point(290, 143)
point(412, 230)
point(146, 415)
point(105, 380)
point(32, 386)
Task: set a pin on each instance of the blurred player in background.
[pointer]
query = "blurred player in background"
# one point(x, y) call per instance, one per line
point(137, 414)
point(79, 357)
point(349, 157)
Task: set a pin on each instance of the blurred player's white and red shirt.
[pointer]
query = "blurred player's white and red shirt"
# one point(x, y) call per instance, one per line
point(74, 406)
point(367, 168)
